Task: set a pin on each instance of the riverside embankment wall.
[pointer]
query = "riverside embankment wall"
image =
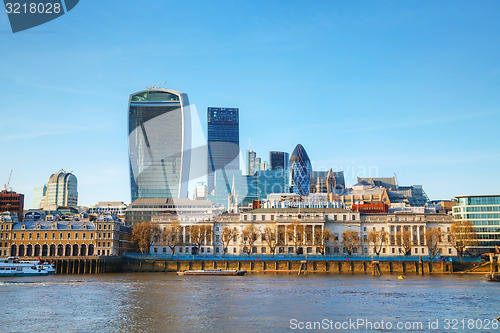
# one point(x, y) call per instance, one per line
point(82, 265)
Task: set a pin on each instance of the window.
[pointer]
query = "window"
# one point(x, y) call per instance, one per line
point(254, 217)
point(234, 250)
point(29, 235)
point(272, 217)
point(244, 218)
point(22, 236)
point(109, 235)
point(46, 235)
point(60, 235)
point(263, 217)
point(69, 235)
point(76, 235)
point(364, 228)
point(84, 235)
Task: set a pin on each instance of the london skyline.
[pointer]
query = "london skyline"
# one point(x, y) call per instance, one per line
point(408, 89)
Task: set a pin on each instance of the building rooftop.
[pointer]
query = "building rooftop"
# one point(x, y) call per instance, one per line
point(300, 210)
point(61, 225)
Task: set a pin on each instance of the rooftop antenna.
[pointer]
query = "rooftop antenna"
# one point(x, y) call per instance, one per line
point(156, 86)
point(8, 181)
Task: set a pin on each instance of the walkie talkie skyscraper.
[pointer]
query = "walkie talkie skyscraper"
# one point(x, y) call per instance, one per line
point(159, 127)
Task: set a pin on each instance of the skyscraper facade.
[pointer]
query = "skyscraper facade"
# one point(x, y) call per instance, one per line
point(159, 126)
point(300, 171)
point(278, 160)
point(483, 212)
point(223, 141)
point(62, 190)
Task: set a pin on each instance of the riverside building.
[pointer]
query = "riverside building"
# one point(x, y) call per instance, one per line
point(291, 231)
point(483, 211)
point(51, 238)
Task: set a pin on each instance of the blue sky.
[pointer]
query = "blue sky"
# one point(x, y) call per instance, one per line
point(405, 87)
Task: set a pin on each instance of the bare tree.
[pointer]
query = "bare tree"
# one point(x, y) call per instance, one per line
point(228, 234)
point(433, 238)
point(461, 236)
point(404, 241)
point(144, 235)
point(171, 236)
point(350, 240)
point(377, 239)
point(271, 237)
point(322, 236)
point(295, 232)
point(201, 235)
point(250, 234)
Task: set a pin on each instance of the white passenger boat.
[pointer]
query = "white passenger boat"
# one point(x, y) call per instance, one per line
point(41, 265)
point(13, 267)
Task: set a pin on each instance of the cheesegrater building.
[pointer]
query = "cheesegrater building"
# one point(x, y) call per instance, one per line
point(159, 144)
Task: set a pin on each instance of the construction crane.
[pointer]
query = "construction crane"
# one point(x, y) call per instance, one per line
point(8, 181)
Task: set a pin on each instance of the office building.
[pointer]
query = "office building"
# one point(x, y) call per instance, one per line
point(300, 171)
point(223, 141)
point(159, 126)
point(61, 190)
point(12, 202)
point(278, 160)
point(483, 211)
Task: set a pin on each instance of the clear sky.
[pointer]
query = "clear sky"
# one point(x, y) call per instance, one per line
point(405, 87)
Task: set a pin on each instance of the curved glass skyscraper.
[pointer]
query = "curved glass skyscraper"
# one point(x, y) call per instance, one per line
point(159, 127)
point(300, 170)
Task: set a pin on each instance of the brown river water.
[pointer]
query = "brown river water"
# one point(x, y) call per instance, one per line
point(159, 302)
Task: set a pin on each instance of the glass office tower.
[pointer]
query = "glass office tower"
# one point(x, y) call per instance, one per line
point(278, 160)
point(223, 142)
point(159, 144)
point(483, 211)
point(300, 171)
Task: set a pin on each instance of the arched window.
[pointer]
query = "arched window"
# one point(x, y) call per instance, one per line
point(67, 252)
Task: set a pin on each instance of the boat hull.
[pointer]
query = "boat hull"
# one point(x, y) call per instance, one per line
point(213, 272)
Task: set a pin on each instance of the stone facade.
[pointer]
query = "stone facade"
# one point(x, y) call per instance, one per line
point(300, 231)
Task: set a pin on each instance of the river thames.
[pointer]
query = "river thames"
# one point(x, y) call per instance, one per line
point(159, 302)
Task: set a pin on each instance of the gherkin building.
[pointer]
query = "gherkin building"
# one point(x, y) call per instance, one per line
point(300, 171)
